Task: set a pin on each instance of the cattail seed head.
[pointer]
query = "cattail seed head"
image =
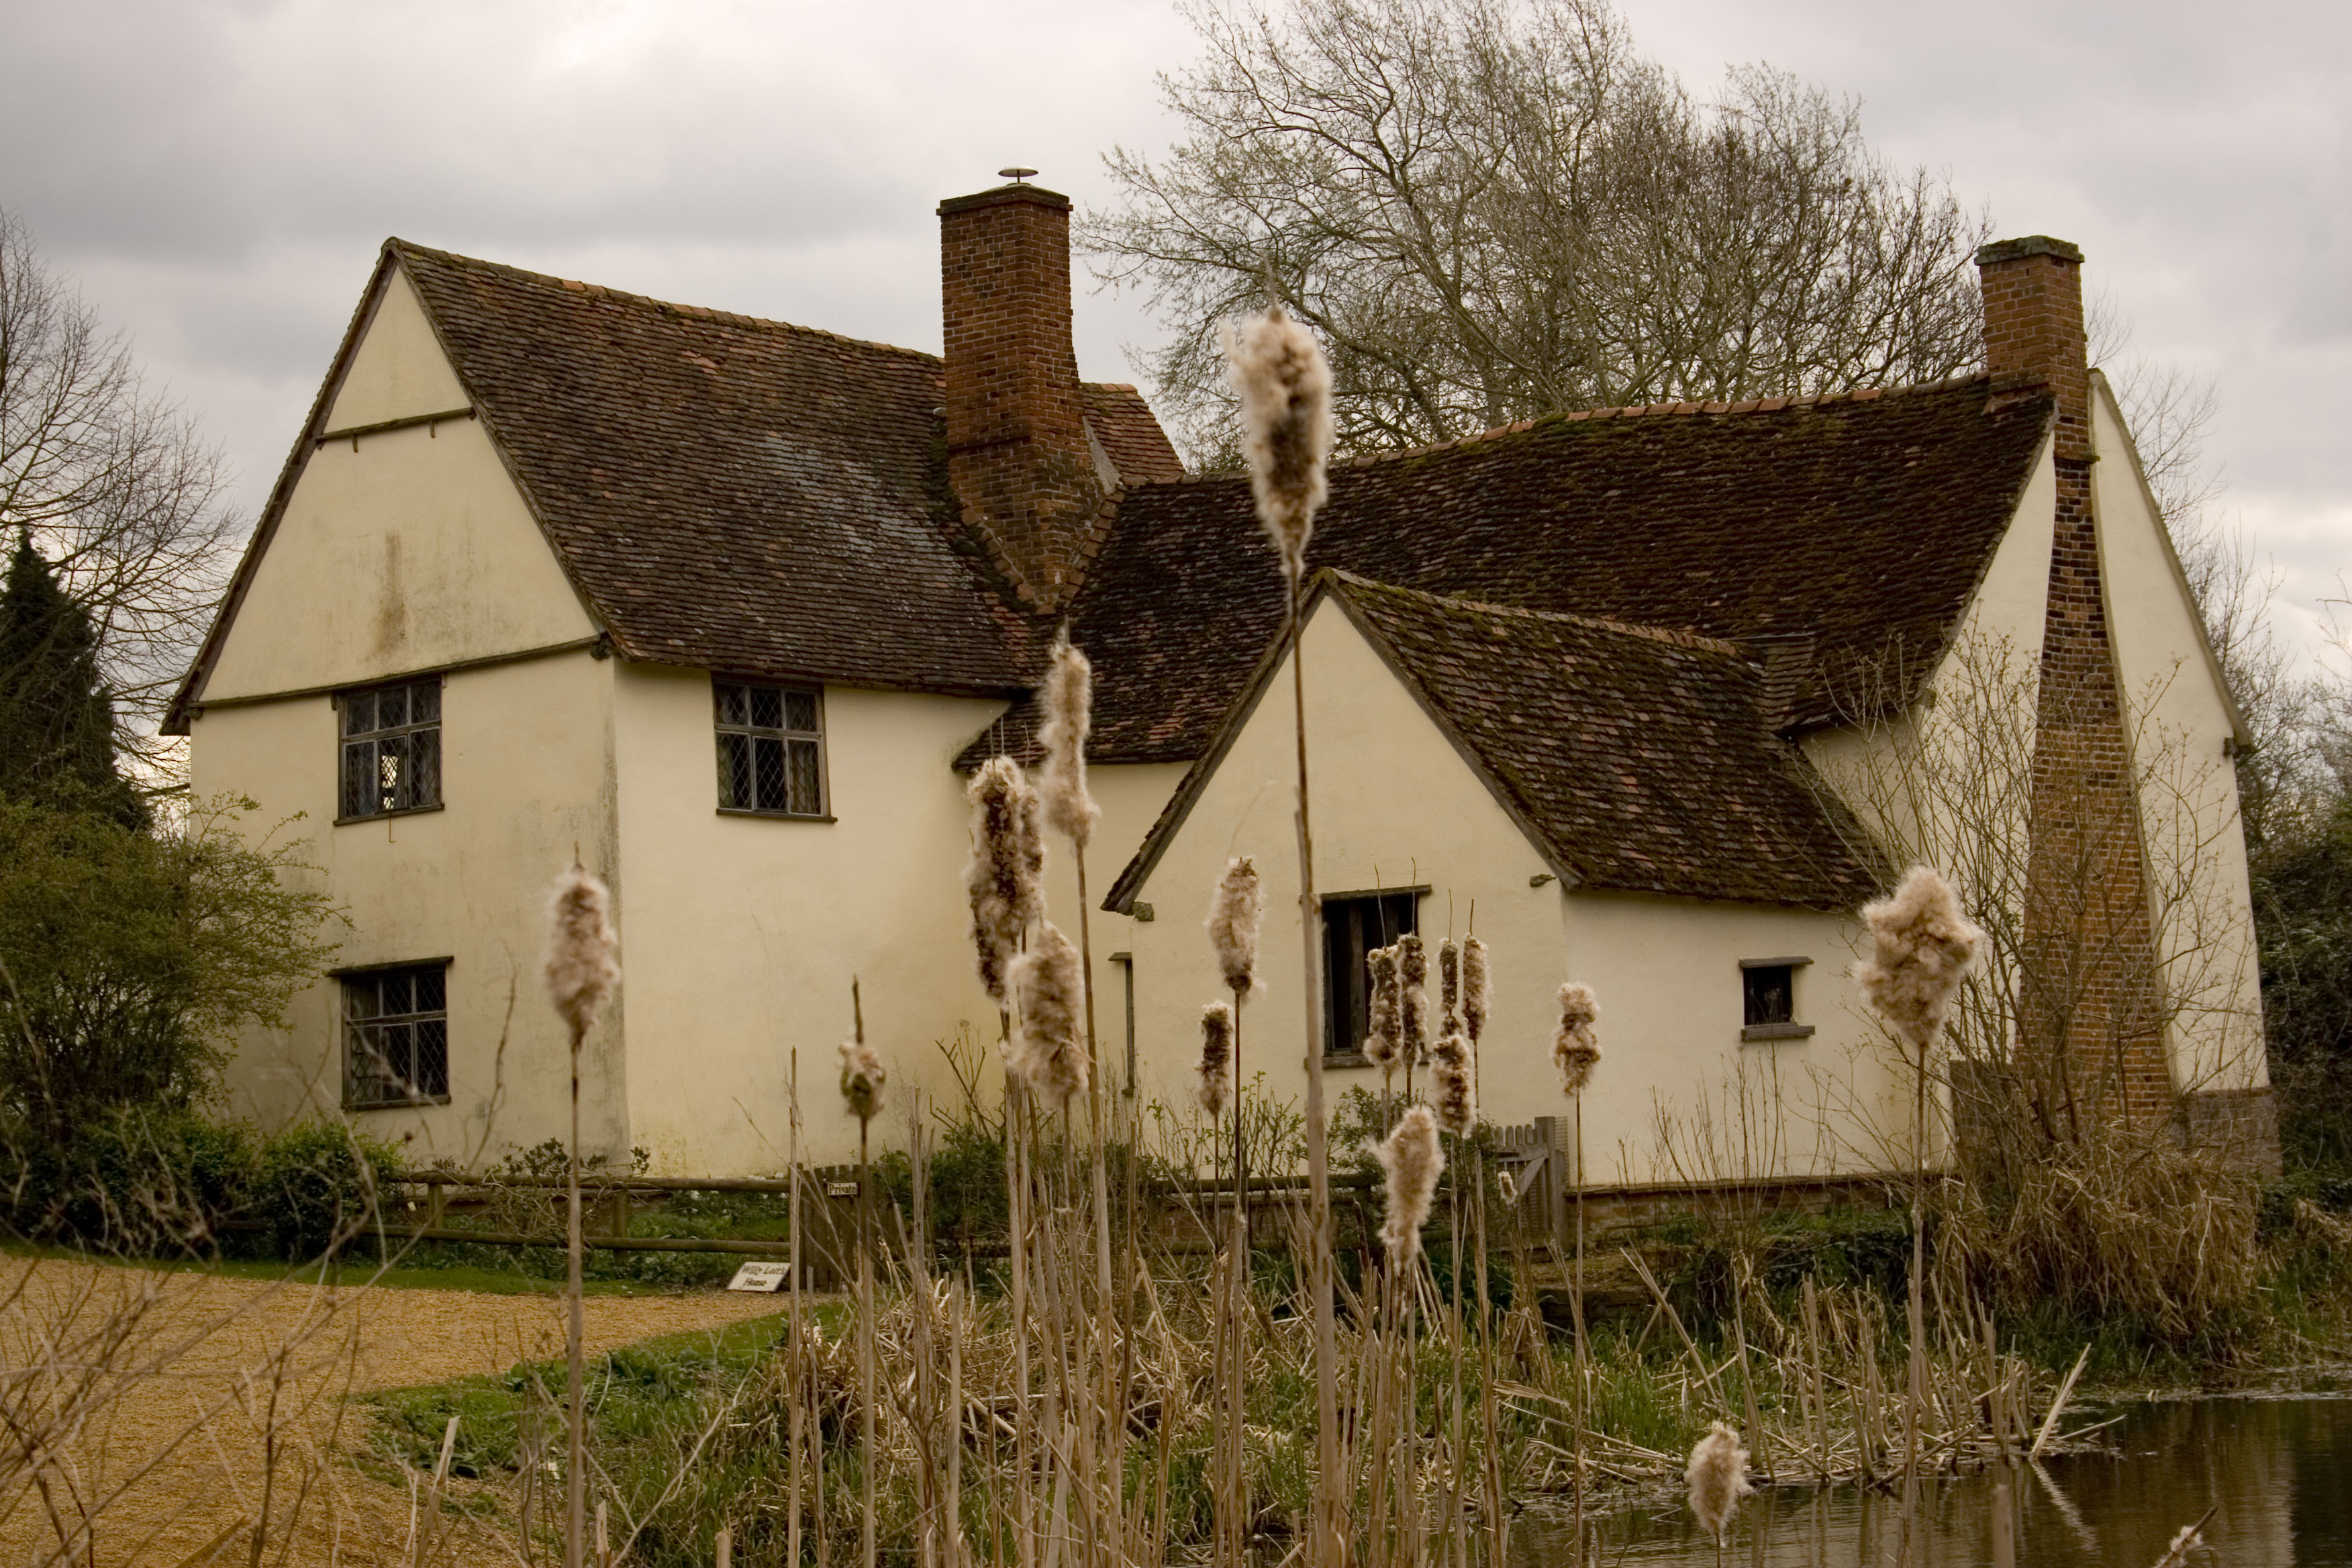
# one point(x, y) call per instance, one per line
point(1719, 1479)
point(1049, 1048)
point(1233, 915)
point(1215, 1090)
point(1069, 717)
point(1412, 1162)
point(1477, 988)
point(1449, 981)
point(2176, 1556)
point(1285, 384)
point(862, 1078)
point(1575, 1048)
point(1922, 946)
point(1413, 976)
point(1005, 878)
point(582, 966)
point(1453, 1083)
point(1387, 1023)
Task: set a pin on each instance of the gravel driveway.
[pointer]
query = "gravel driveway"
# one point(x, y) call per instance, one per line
point(189, 1368)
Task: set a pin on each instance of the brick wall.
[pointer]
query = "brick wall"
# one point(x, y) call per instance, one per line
point(2091, 1020)
point(1017, 450)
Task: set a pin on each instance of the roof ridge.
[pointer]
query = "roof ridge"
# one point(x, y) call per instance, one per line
point(1679, 637)
point(1655, 410)
point(666, 307)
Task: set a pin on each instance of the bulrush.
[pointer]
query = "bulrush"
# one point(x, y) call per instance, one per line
point(1719, 1479)
point(1234, 916)
point(1453, 1083)
point(862, 1074)
point(1382, 1039)
point(1049, 1049)
point(1575, 1048)
point(1449, 983)
point(1412, 980)
point(1215, 1090)
point(1005, 877)
point(1277, 366)
point(1069, 717)
point(581, 968)
point(1477, 988)
point(1412, 1162)
point(1921, 948)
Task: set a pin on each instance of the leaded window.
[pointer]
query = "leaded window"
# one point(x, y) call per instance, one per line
point(1354, 924)
point(770, 748)
point(396, 1036)
point(391, 748)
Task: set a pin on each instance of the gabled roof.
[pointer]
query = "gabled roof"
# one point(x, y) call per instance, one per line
point(1634, 758)
point(1863, 521)
point(725, 491)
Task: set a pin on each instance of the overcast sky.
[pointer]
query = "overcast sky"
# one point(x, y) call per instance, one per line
point(216, 175)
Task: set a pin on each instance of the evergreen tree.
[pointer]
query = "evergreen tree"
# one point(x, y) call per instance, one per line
point(57, 721)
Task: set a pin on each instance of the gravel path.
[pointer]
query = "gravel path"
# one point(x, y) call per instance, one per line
point(185, 1372)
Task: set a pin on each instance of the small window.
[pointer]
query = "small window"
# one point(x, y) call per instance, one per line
point(771, 749)
point(1768, 994)
point(396, 1036)
point(391, 750)
point(1353, 925)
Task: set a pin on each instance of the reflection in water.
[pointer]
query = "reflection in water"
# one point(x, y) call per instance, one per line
point(2277, 1473)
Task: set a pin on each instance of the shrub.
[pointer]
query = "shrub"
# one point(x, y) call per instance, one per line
point(319, 1186)
point(138, 1181)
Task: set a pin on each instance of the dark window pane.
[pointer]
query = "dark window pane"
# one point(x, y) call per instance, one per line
point(431, 1069)
point(425, 703)
point(397, 993)
point(733, 706)
point(424, 767)
point(807, 797)
point(1769, 994)
point(735, 772)
point(359, 714)
point(800, 711)
point(767, 707)
point(359, 778)
point(392, 707)
point(1351, 929)
point(359, 999)
point(768, 767)
point(431, 987)
point(391, 771)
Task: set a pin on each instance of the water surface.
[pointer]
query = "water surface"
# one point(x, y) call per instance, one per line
point(2277, 1471)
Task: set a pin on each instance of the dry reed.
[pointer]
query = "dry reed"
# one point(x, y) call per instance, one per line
point(1718, 1475)
point(1412, 1163)
point(1285, 414)
point(1070, 811)
point(1575, 1046)
point(1215, 1090)
point(1005, 878)
point(1049, 1044)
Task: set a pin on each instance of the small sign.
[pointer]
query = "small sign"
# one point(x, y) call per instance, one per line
point(841, 1189)
point(767, 1277)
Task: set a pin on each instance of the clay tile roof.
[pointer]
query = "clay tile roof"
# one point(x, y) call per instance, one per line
point(1866, 523)
point(1129, 434)
point(731, 492)
point(1641, 759)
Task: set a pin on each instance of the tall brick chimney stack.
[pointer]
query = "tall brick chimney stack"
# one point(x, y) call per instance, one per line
point(1018, 448)
point(2033, 329)
point(2091, 1025)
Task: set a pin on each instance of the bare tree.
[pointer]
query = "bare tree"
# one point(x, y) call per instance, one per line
point(1491, 209)
point(115, 485)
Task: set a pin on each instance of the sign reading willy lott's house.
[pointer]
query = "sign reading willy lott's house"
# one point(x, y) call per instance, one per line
point(732, 608)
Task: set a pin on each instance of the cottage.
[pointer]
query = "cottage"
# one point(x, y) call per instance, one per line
point(728, 608)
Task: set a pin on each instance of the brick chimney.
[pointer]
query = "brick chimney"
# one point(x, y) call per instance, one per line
point(2091, 1028)
point(1017, 449)
point(2033, 329)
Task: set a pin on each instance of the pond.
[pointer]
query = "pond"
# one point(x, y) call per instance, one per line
point(2275, 1470)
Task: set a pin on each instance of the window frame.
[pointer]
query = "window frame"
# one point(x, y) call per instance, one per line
point(1789, 1029)
point(345, 739)
point(785, 736)
point(351, 1024)
point(1350, 1054)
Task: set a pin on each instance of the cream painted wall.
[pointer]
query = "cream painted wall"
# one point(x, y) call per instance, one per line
point(747, 930)
point(400, 370)
point(414, 552)
point(2189, 799)
point(1394, 806)
point(527, 775)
